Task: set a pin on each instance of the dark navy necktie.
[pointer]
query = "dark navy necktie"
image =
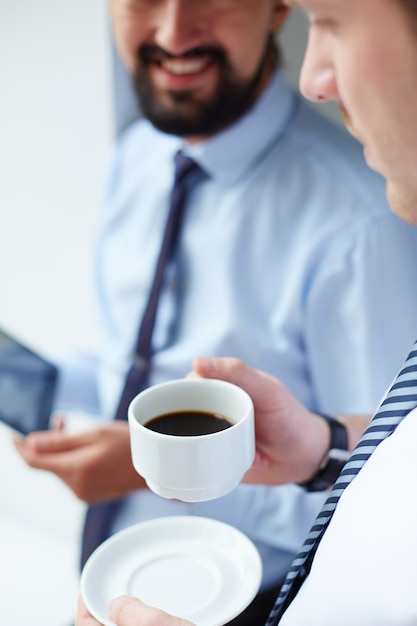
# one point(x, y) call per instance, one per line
point(100, 516)
point(398, 402)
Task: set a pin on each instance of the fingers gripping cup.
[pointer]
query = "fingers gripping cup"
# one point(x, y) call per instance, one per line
point(192, 439)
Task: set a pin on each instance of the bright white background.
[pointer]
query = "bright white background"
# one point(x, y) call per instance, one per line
point(56, 123)
point(55, 128)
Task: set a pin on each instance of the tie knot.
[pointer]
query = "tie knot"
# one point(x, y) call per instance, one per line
point(186, 169)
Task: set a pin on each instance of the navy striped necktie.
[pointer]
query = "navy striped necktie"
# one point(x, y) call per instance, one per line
point(398, 402)
point(99, 518)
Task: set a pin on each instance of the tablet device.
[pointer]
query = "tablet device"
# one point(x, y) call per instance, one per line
point(27, 386)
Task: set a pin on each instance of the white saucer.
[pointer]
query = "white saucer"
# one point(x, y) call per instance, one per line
point(194, 567)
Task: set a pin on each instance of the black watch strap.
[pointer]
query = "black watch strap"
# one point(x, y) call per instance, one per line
point(335, 459)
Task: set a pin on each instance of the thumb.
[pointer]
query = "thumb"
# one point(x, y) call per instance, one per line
point(235, 371)
point(125, 611)
point(51, 441)
point(128, 611)
point(224, 368)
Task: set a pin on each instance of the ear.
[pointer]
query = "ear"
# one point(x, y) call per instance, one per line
point(279, 14)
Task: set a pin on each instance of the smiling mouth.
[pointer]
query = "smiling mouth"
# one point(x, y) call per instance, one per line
point(189, 63)
point(181, 67)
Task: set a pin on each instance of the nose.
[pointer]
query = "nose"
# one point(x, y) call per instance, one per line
point(180, 25)
point(317, 77)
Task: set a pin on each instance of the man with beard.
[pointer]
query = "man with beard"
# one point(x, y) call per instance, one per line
point(281, 260)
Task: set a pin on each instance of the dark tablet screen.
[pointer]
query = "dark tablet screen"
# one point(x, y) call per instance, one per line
point(27, 386)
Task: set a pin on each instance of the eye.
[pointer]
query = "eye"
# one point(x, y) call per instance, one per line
point(317, 21)
point(322, 22)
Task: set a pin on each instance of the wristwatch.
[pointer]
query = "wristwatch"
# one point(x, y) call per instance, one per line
point(334, 460)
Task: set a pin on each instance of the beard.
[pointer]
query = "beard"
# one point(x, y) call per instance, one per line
point(181, 112)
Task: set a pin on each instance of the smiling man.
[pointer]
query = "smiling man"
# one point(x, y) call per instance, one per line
point(288, 259)
point(205, 67)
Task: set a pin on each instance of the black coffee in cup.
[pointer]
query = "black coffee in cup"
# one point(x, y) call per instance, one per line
point(188, 423)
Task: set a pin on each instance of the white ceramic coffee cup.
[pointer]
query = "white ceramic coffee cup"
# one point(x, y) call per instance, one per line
point(192, 468)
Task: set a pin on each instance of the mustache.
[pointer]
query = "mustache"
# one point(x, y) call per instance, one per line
point(152, 52)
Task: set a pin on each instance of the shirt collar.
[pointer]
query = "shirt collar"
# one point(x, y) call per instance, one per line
point(230, 154)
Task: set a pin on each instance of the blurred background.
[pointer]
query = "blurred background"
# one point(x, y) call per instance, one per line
point(63, 98)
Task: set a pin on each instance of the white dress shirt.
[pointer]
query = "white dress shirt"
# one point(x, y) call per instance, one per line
point(364, 572)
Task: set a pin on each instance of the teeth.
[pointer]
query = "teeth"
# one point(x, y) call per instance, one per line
point(184, 66)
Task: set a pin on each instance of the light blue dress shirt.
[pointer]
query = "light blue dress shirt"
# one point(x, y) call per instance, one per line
point(283, 262)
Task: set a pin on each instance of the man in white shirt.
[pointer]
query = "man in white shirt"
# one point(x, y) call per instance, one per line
point(362, 53)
